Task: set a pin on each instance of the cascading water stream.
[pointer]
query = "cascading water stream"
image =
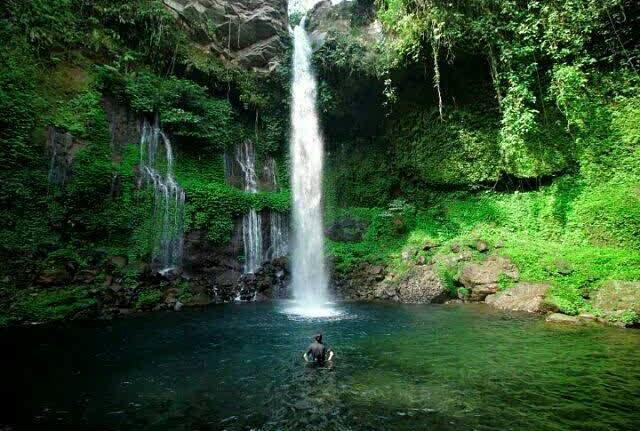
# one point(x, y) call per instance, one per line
point(156, 165)
point(309, 277)
point(251, 221)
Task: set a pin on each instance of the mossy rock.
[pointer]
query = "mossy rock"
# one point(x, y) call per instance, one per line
point(148, 299)
point(53, 304)
point(619, 300)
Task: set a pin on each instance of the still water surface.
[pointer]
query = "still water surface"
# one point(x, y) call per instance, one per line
point(240, 367)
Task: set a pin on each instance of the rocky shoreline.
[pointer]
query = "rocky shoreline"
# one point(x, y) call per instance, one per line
point(215, 277)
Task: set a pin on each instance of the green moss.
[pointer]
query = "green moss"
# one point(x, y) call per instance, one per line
point(55, 304)
point(535, 229)
point(147, 299)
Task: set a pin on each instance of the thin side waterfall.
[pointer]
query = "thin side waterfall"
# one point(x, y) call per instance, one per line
point(309, 277)
point(278, 222)
point(279, 235)
point(251, 221)
point(156, 165)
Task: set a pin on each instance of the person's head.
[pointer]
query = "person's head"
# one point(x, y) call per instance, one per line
point(318, 338)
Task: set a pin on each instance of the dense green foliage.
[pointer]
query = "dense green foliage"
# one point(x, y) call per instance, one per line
point(59, 61)
point(512, 122)
point(449, 121)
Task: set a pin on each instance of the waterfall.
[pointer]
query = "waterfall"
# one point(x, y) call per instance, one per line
point(270, 172)
point(278, 235)
point(278, 222)
point(309, 277)
point(156, 165)
point(252, 221)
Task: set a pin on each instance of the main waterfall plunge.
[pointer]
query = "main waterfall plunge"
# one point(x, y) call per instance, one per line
point(309, 277)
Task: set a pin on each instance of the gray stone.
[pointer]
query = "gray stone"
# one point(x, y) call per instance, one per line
point(481, 279)
point(198, 299)
point(527, 297)
point(421, 285)
point(562, 267)
point(62, 147)
point(178, 306)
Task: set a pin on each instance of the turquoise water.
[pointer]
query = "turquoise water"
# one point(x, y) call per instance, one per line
point(398, 368)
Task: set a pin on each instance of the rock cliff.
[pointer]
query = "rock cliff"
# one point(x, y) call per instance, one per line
point(250, 33)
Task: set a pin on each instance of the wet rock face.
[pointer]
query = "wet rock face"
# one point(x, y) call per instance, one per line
point(420, 285)
point(124, 125)
point(361, 284)
point(481, 279)
point(250, 33)
point(527, 297)
point(213, 270)
point(62, 147)
point(271, 281)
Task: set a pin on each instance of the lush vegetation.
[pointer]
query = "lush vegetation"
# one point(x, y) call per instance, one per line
point(64, 65)
point(513, 122)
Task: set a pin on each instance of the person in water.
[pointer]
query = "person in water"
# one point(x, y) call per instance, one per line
point(317, 352)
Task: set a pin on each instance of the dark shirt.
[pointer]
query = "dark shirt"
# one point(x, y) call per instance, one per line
point(317, 352)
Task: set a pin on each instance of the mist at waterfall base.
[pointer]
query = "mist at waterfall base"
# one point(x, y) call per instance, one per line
point(309, 276)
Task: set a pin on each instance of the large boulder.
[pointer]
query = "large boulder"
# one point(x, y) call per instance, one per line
point(250, 33)
point(618, 300)
point(527, 297)
point(421, 285)
point(481, 279)
point(362, 283)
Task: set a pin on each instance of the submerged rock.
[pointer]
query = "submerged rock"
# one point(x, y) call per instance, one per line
point(527, 297)
point(564, 318)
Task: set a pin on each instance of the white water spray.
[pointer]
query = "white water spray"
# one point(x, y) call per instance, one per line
point(309, 277)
